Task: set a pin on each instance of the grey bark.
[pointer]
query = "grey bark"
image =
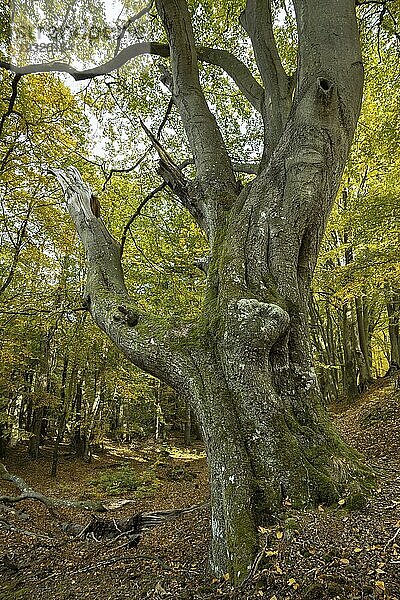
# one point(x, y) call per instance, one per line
point(245, 366)
point(62, 419)
point(352, 360)
point(363, 340)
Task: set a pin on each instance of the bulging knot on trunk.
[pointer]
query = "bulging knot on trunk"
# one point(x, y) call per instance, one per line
point(259, 324)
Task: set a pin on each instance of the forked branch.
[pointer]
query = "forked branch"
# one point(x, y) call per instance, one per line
point(257, 21)
point(135, 333)
point(235, 68)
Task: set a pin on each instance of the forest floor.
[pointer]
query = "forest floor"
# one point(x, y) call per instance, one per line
point(326, 553)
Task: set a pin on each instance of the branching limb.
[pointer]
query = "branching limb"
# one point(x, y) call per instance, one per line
point(214, 169)
point(221, 58)
point(135, 333)
point(237, 70)
point(238, 167)
point(17, 250)
point(248, 168)
point(129, 22)
point(182, 187)
point(257, 21)
point(14, 92)
point(137, 212)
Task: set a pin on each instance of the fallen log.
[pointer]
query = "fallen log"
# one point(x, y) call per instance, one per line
point(28, 493)
point(97, 528)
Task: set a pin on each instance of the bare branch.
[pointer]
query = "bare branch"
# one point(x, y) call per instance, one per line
point(129, 22)
point(115, 63)
point(17, 250)
point(182, 188)
point(125, 170)
point(134, 332)
point(222, 58)
point(137, 212)
point(14, 92)
point(27, 493)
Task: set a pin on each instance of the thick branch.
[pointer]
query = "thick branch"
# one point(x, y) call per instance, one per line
point(330, 56)
point(214, 169)
point(107, 297)
point(115, 63)
point(257, 20)
point(221, 58)
point(182, 187)
point(237, 70)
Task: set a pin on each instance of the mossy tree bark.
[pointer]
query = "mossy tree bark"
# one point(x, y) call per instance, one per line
point(245, 366)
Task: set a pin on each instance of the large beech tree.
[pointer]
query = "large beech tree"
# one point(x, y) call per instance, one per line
point(245, 364)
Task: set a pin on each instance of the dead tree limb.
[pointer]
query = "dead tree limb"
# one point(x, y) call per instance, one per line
point(28, 493)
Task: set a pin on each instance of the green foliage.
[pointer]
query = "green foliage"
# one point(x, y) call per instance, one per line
point(125, 480)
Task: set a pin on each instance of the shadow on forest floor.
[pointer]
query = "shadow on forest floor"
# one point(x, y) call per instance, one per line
point(326, 553)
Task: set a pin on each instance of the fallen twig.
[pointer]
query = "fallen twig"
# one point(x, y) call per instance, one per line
point(392, 539)
point(111, 561)
point(9, 527)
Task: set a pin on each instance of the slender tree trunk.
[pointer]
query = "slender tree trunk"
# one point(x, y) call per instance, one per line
point(62, 421)
point(188, 424)
point(393, 312)
point(4, 439)
point(363, 330)
point(79, 443)
point(350, 383)
point(36, 430)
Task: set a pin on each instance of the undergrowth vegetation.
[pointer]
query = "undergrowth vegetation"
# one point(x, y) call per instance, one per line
point(125, 480)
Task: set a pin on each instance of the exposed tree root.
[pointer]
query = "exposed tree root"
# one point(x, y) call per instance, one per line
point(132, 528)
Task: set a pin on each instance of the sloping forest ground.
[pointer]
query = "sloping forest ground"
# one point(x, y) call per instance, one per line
point(323, 553)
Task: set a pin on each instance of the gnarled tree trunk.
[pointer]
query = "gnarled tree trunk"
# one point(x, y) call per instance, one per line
point(245, 366)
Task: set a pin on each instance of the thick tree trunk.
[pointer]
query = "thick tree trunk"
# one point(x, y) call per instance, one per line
point(245, 366)
point(267, 436)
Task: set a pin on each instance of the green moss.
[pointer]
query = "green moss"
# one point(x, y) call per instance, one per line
point(291, 524)
point(356, 501)
point(265, 500)
point(241, 537)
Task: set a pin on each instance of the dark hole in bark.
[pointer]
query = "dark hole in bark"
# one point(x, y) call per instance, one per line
point(324, 84)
